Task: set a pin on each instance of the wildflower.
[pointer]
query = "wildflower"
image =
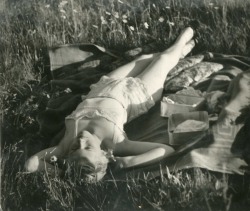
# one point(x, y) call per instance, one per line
point(110, 155)
point(211, 4)
point(216, 8)
point(95, 26)
point(75, 11)
point(68, 90)
point(47, 6)
point(124, 21)
point(132, 28)
point(62, 3)
point(62, 11)
point(171, 23)
point(161, 19)
point(47, 23)
point(53, 159)
point(116, 15)
point(168, 7)
point(108, 13)
point(124, 16)
point(30, 120)
point(31, 32)
point(146, 25)
point(103, 20)
point(154, 6)
point(63, 17)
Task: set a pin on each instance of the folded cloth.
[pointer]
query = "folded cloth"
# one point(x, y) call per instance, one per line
point(190, 125)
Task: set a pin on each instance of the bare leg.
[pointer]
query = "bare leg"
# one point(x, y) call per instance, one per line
point(155, 74)
point(137, 66)
point(134, 67)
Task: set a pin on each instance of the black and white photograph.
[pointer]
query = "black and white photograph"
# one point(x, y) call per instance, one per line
point(125, 105)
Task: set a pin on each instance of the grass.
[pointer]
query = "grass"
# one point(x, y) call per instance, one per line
point(29, 27)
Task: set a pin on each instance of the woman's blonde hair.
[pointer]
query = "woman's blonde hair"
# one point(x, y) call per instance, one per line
point(88, 171)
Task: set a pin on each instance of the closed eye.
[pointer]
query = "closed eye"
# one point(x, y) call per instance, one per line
point(88, 147)
point(74, 148)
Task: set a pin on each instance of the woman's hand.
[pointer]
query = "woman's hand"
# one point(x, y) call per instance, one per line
point(44, 160)
point(34, 164)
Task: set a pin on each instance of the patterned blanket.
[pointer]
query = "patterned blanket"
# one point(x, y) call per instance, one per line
point(224, 149)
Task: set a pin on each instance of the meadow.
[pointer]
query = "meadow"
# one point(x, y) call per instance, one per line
point(29, 27)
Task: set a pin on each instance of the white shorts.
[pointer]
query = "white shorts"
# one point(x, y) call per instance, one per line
point(130, 92)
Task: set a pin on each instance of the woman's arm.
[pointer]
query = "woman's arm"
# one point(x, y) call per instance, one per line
point(40, 161)
point(141, 153)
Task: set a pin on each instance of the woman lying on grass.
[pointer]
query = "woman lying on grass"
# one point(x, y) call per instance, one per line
point(95, 128)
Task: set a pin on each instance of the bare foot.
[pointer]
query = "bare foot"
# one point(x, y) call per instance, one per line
point(187, 48)
point(185, 36)
point(183, 44)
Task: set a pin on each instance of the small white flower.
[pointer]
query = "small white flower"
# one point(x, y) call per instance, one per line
point(63, 17)
point(146, 25)
point(47, 23)
point(124, 16)
point(75, 11)
point(53, 159)
point(31, 32)
point(62, 11)
point(116, 15)
point(161, 19)
point(95, 26)
point(211, 4)
point(110, 155)
point(120, 1)
point(47, 6)
point(154, 6)
point(171, 23)
point(132, 28)
point(216, 8)
point(108, 13)
point(168, 7)
point(124, 21)
point(62, 3)
point(68, 90)
point(103, 20)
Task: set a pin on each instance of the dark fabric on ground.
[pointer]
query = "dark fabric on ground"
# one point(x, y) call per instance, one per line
point(85, 64)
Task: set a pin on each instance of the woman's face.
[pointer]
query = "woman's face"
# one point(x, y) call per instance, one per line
point(85, 148)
